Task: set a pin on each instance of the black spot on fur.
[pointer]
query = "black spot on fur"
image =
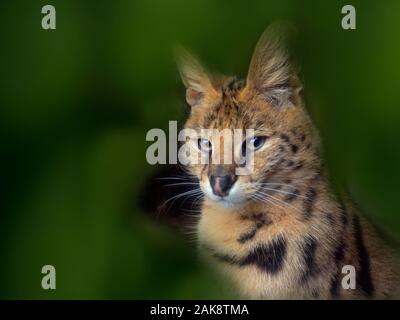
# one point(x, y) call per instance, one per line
point(329, 218)
point(364, 280)
point(244, 237)
point(298, 166)
point(279, 162)
point(292, 196)
point(339, 253)
point(253, 216)
point(268, 257)
point(295, 148)
point(284, 137)
point(290, 163)
point(343, 214)
point(259, 221)
point(310, 267)
point(247, 236)
point(338, 256)
point(308, 203)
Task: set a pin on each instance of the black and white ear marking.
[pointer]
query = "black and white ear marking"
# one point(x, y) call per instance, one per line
point(270, 71)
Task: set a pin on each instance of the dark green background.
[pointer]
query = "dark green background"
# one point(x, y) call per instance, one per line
point(76, 104)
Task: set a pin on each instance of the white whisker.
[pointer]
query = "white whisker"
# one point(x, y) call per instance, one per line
point(284, 192)
point(180, 184)
point(281, 201)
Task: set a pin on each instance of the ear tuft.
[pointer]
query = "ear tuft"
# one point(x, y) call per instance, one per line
point(270, 71)
point(194, 77)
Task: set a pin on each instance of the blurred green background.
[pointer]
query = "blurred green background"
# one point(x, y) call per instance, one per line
point(76, 103)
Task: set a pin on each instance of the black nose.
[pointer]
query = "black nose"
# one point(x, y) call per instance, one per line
point(222, 184)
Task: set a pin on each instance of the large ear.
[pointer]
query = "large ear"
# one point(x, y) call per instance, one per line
point(271, 73)
point(195, 78)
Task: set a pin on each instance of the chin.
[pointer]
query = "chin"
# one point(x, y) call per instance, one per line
point(225, 203)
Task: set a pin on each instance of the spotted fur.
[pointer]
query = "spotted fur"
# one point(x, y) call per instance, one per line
point(295, 244)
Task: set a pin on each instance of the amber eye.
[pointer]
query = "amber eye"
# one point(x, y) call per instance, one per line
point(253, 144)
point(204, 144)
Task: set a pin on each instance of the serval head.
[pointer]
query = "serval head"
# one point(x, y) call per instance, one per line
point(283, 143)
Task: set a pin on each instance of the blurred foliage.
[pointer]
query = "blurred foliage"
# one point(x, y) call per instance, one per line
point(76, 104)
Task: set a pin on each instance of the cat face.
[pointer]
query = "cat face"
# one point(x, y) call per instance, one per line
point(267, 104)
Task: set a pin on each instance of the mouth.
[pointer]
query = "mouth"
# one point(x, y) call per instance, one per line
point(225, 201)
point(216, 198)
point(232, 198)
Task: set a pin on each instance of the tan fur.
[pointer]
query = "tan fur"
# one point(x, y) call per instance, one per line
point(317, 233)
